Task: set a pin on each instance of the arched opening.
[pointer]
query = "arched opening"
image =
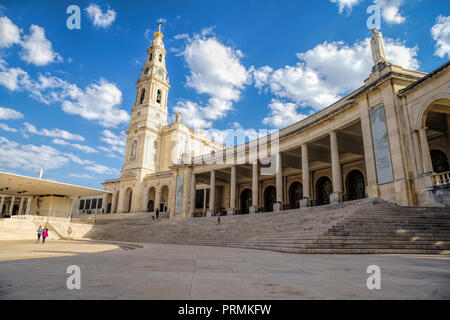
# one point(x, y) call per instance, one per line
point(160, 58)
point(127, 199)
point(324, 188)
point(150, 57)
point(270, 196)
point(133, 150)
point(151, 199)
point(108, 203)
point(158, 96)
point(439, 161)
point(356, 187)
point(164, 201)
point(295, 195)
point(141, 100)
point(246, 201)
point(436, 120)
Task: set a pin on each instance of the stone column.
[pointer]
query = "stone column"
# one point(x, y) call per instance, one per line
point(21, 206)
point(193, 194)
point(255, 192)
point(27, 209)
point(427, 165)
point(417, 152)
point(305, 202)
point(336, 196)
point(232, 207)
point(104, 203)
point(372, 190)
point(278, 206)
point(2, 201)
point(11, 206)
point(114, 202)
point(212, 194)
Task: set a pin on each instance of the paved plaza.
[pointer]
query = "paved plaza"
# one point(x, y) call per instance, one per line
point(157, 271)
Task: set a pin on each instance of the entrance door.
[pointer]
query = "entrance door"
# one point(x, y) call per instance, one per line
point(246, 201)
point(295, 195)
point(323, 190)
point(356, 188)
point(270, 196)
point(150, 206)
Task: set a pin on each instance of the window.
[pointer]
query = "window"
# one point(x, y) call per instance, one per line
point(81, 207)
point(146, 71)
point(99, 203)
point(88, 204)
point(158, 96)
point(94, 204)
point(160, 58)
point(133, 150)
point(150, 57)
point(141, 100)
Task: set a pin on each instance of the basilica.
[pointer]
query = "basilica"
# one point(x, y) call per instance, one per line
point(388, 139)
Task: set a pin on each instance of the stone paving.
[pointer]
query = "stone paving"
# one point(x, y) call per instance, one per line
point(163, 271)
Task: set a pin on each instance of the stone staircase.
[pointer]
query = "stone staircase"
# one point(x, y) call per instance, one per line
point(369, 226)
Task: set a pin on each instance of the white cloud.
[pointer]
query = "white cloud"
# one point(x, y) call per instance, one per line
point(215, 70)
point(80, 147)
point(7, 113)
point(37, 49)
point(390, 11)
point(441, 34)
point(78, 160)
point(283, 114)
point(81, 176)
point(5, 127)
point(100, 19)
point(345, 4)
point(328, 71)
point(101, 169)
point(54, 133)
point(30, 157)
point(9, 33)
point(11, 77)
point(100, 102)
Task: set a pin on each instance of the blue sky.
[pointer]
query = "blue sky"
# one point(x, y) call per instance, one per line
point(66, 95)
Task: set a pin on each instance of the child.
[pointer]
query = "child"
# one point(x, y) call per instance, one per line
point(44, 235)
point(153, 215)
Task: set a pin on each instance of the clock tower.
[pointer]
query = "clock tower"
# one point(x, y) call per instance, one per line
point(149, 114)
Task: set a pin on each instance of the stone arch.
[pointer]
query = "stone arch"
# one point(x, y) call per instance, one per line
point(355, 184)
point(245, 200)
point(295, 194)
point(164, 199)
point(425, 108)
point(324, 188)
point(270, 198)
point(151, 199)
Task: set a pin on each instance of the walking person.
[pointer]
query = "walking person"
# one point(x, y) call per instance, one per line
point(157, 213)
point(218, 217)
point(153, 215)
point(39, 233)
point(69, 232)
point(44, 235)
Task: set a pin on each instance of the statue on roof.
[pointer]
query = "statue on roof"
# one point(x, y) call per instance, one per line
point(377, 46)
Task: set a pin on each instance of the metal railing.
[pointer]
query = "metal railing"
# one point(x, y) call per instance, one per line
point(441, 179)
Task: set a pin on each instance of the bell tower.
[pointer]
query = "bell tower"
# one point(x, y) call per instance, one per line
point(149, 114)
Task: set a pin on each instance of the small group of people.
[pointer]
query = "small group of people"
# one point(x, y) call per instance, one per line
point(42, 232)
point(155, 213)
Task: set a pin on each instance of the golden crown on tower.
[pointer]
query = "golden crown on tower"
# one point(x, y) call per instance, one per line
point(159, 35)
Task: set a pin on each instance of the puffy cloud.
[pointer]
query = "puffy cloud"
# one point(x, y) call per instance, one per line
point(55, 133)
point(100, 19)
point(30, 157)
point(101, 169)
point(317, 79)
point(11, 77)
point(283, 114)
point(215, 70)
point(5, 127)
point(441, 34)
point(7, 113)
point(80, 147)
point(345, 4)
point(116, 144)
point(37, 49)
point(9, 33)
point(100, 102)
point(390, 11)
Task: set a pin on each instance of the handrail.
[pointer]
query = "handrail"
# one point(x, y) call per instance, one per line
point(441, 179)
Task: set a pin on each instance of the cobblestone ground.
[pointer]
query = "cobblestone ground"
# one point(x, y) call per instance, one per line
point(158, 271)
